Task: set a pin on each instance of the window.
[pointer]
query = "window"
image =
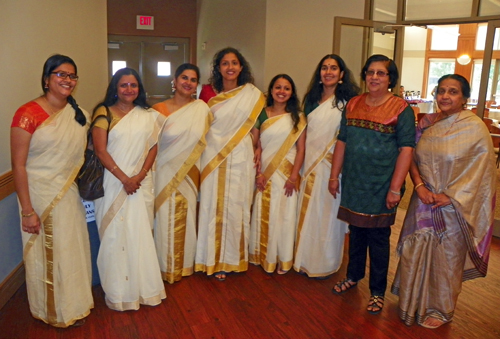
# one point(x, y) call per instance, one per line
point(164, 69)
point(476, 79)
point(116, 64)
point(481, 38)
point(444, 38)
point(438, 68)
point(442, 9)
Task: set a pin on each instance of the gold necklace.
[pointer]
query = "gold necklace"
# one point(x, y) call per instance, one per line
point(49, 105)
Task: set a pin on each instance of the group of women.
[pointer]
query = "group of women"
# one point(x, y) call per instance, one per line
point(238, 181)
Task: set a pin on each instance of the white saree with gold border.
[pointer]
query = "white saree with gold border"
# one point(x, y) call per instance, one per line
point(227, 182)
point(57, 261)
point(272, 230)
point(177, 180)
point(320, 235)
point(127, 262)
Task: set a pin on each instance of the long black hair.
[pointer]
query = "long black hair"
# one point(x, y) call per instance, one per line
point(293, 103)
point(111, 93)
point(48, 67)
point(343, 92)
point(244, 77)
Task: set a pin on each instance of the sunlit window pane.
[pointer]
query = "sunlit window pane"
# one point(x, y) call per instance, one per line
point(444, 38)
point(438, 68)
point(163, 69)
point(481, 38)
point(476, 79)
point(116, 65)
point(385, 10)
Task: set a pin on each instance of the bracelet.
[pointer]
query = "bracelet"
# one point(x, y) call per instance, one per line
point(28, 215)
point(113, 169)
point(394, 192)
point(291, 182)
point(145, 170)
point(333, 179)
point(417, 186)
point(258, 175)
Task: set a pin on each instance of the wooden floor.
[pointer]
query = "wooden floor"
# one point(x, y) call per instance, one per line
point(258, 305)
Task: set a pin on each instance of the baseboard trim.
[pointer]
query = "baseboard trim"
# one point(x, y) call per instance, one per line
point(6, 185)
point(11, 284)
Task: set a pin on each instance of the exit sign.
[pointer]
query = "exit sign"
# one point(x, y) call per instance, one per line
point(145, 22)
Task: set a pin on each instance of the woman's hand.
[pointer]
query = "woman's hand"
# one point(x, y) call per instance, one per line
point(392, 200)
point(334, 187)
point(131, 185)
point(260, 182)
point(290, 186)
point(426, 196)
point(441, 200)
point(256, 158)
point(31, 224)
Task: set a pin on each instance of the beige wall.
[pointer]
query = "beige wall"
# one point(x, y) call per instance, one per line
point(299, 33)
point(277, 36)
point(32, 30)
point(236, 23)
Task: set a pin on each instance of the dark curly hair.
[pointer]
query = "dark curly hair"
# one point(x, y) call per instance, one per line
point(389, 64)
point(292, 105)
point(244, 77)
point(111, 93)
point(49, 66)
point(343, 92)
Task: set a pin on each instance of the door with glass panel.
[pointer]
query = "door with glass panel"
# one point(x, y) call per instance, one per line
point(355, 40)
point(154, 58)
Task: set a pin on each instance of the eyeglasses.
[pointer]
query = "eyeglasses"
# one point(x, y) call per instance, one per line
point(64, 75)
point(380, 74)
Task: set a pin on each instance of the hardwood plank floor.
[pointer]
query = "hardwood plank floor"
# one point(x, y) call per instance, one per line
point(260, 305)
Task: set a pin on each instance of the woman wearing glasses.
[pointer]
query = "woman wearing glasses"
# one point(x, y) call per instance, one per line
point(374, 150)
point(126, 146)
point(48, 137)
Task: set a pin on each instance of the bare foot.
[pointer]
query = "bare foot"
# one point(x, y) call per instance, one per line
point(432, 323)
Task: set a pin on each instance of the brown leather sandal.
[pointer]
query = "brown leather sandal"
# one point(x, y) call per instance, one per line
point(376, 304)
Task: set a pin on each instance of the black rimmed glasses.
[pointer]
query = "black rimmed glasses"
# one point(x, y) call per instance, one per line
point(380, 74)
point(64, 75)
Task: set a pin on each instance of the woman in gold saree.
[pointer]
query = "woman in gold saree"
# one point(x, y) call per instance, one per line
point(177, 175)
point(281, 132)
point(48, 138)
point(227, 168)
point(127, 262)
point(447, 231)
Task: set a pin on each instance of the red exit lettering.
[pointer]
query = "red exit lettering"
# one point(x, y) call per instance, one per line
point(145, 20)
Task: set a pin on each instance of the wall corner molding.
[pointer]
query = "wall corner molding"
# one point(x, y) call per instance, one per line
point(6, 185)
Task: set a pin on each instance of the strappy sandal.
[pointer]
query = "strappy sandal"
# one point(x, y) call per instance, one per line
point(376, 304)
point(344, 286)
point(432, 325)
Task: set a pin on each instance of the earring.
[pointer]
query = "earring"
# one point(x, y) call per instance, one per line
point(116, 95)
point(46, 85)
point(340, 82)
point(173, 86)
point(320, 82)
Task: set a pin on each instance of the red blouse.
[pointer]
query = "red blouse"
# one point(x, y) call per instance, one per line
point(29, 116)
point(207, 92)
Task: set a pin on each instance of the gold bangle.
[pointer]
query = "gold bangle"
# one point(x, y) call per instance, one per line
point(145, 170)
point(113, 169)
point(28, 215)
point(333, 179)
point(258, 175)
point(417, 186)
point(292, 182)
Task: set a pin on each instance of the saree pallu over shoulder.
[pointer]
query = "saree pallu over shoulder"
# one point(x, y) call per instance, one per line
point(461, 165)
point(177, 174)
point(127, 261)
point(129, 150)
point(272, 234)
point(235, 113)
point(320, 235)
point(227, 182)
point(55, 156)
